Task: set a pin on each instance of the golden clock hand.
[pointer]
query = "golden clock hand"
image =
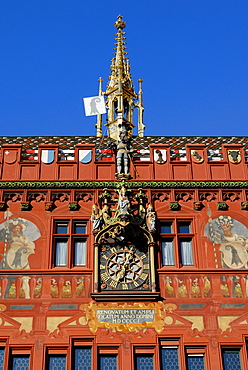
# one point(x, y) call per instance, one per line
point(121, 273)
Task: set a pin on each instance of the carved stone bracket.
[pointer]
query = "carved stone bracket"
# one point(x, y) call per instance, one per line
point(161, 197)
point(208, 196)
point(183, 196)
point(14, 197)
point(36, 196)
point(85, 197)
point(231, 195)
point(62, 197)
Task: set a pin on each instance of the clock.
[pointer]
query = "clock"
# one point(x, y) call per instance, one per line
point(123, 268)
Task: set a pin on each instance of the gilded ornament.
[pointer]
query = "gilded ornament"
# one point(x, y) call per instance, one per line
point(122, 317)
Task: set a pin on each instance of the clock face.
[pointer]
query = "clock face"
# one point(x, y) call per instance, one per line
point(123, 268)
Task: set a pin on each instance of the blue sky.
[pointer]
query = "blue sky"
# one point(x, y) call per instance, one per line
point(191, 54)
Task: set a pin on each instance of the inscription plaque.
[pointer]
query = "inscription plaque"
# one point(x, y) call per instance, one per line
point(126, 316)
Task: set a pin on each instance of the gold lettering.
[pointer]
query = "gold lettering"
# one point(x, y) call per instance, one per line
point(105, 257)
point(143, 256)
point(102, 267)
point(113, 250)
point(135, 283)
point(124, 286)
point(146, 266)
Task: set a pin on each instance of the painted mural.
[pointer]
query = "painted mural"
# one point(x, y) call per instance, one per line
point(232, 238)
point(17, 236)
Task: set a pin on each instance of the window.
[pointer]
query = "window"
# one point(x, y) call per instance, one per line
point(144, 358)
point(108, 358)
point(195, 361)
point(143, 361)
point(177, 243)
point(107, 362)
point(2, 350)
point(69, 240)
point(57, 362)
point(169, 358)
point(231, 359)
point(82, 358)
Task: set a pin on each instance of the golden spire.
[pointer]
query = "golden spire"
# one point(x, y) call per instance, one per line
point(121, 98)
point(120, 67)
point(120, 94)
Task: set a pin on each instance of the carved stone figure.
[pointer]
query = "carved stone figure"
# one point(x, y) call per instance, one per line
point(123, 201)
point(95, 218)
point(123, 152)
point(150, 219)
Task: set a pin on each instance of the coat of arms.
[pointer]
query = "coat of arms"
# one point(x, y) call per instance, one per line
point(234, 156)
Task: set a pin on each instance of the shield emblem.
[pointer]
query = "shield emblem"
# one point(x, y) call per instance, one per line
point(85, 156)
point(17, 256)
point(159, 156)
point(197, 156)
point(234, 156)
point(47, 156)
point(10, 156)
point(234, 255)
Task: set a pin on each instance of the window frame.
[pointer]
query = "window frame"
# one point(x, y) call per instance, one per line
point(70, 238)
point(196, 351)
point(111, 351)
point(176, 237)
point(17, 351)
point(145, 350)
point(237, 348)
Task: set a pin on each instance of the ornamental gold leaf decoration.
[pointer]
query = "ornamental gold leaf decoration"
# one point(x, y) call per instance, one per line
point(125, 317)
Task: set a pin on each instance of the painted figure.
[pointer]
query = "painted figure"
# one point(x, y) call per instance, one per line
point(233, 239)
point(18, 236)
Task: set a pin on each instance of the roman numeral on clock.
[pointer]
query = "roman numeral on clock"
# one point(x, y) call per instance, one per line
point(113, 283)
point(105, 276)
point(143, 276)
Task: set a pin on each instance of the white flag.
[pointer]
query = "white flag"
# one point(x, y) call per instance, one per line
point(94, 105)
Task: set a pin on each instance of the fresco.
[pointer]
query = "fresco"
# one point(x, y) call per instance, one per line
point(232, 238)
point(17, 236)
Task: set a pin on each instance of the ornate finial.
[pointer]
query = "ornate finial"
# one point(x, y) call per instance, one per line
point(120, 24)
point(121, 98)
